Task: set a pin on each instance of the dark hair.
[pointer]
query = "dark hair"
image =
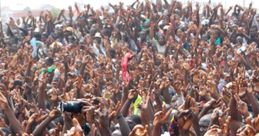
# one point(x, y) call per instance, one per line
point(49, 61)
point(113, 53)
point(37, 36)
point(136, 119)
point(86, 128)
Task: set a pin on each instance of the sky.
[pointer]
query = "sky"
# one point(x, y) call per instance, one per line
point(21, 4)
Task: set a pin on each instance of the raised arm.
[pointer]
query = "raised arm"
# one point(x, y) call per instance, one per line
point(134, 3)
point(42, 126)
point(252, 100)
point(131, 97)
point(42, 93)
point(61, 13)
point(151, 29)
point(230, 8)
point(14, 123)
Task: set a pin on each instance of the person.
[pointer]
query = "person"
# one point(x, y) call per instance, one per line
point(145, 69)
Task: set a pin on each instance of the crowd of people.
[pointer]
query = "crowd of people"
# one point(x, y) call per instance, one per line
point(146, 69)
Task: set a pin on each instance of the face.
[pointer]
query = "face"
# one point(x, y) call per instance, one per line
point(55, 84)
point(54, 95)
point(97, 40)
point(48, 18)
point(11, 22)
point(88, 40)
point(142, 37)
point(78, 64)
point(2, 122)
point(161, 40)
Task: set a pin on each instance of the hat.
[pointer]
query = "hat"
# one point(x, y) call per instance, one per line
point(166, 27)
point(205, 22)
point(204, 66)
point(37, 30)
point(165, 134)
point(58, 44)
point(69, 29)
point(116, 133)
point(72, 74)
point(98, 35)
point(205, 120)
point(161, 23)
point(182, 25)
point(58, 26)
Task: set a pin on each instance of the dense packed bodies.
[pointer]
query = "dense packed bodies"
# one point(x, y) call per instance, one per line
point(146, 69)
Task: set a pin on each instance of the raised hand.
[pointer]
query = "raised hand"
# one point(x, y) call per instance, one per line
point(115, 112)
point(3, 102)
point(255, 123)
point(161, 117)
point(214, 130)
point(145, 116)
point(104, 119)
point(139, 130)
point(33, 117)
point(54, 113)
point(210, 103)
point(132, 94)
point(246, 130)
point(76, 130)
point(89, 113)
point(242, 106)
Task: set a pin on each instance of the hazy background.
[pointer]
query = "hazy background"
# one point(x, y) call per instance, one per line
point(21, 4)
point(16, 8)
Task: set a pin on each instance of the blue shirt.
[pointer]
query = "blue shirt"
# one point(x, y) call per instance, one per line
point(35, 45)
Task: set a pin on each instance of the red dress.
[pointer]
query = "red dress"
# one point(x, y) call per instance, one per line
point(124, 64)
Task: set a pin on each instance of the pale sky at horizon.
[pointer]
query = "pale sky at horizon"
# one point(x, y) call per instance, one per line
point(21, 4)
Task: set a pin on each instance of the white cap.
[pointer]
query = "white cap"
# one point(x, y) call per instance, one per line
point(143, 16)
point(205, 22)
point(161, 22)
point(166, 27)
point(204, 66)
point(165, 134)
point(37, 29)
point(116, 133)
point(70, 29)
point(58, 26)
point(98, 35)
